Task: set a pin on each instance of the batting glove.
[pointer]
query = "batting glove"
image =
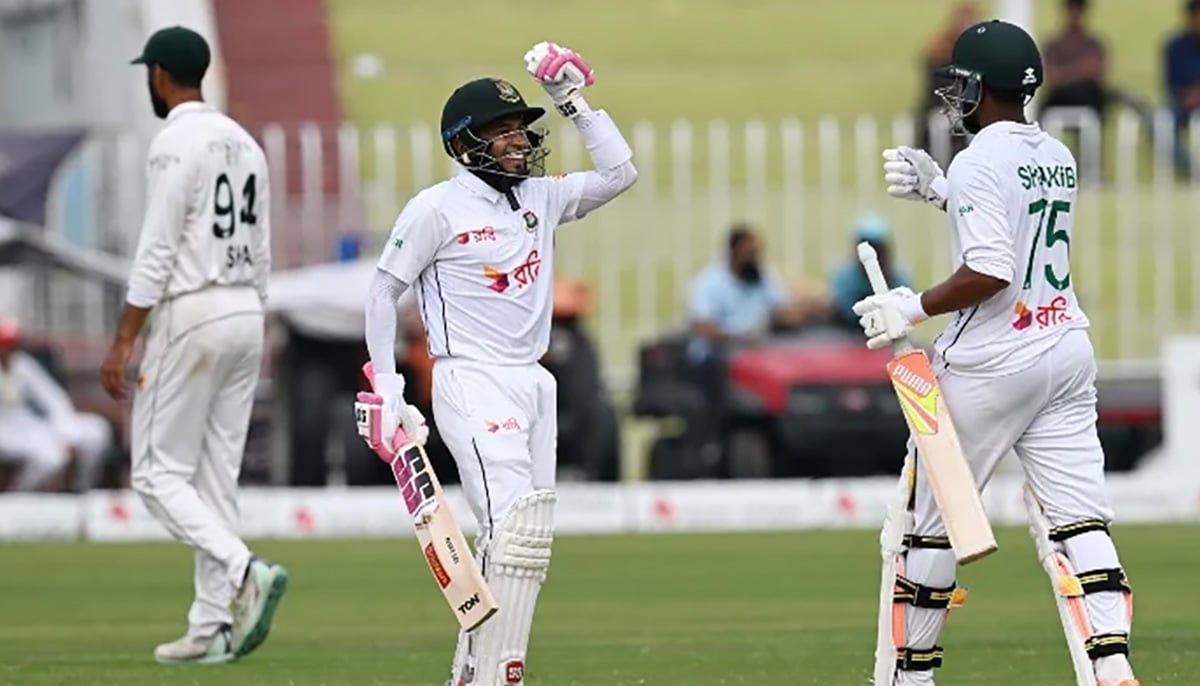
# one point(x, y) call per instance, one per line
point(563, 73)
point(911, 174)
point(889, 316)
point(397, 414)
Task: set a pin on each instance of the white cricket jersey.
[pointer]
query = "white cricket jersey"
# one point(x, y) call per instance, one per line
point(484, 272)
point(1012, 210)
point(208, 212)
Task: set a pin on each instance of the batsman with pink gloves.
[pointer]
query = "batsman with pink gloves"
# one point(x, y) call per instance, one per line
point(479, 248)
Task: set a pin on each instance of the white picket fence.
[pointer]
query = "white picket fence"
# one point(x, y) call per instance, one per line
point(801, 184)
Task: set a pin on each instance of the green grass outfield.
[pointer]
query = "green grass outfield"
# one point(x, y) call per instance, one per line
point(676, 610)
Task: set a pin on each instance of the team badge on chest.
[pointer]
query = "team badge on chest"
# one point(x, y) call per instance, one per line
point(531, 221)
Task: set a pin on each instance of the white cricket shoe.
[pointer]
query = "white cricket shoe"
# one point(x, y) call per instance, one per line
point(255, 603)
point(198, 650)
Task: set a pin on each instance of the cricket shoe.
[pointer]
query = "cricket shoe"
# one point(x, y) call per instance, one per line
point(255, 604)
point(197, 650)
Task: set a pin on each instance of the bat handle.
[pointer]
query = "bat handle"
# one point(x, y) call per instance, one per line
point(870, 262)
point(368, 371)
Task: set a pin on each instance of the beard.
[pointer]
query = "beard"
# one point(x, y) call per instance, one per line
point(158, 104)
point(749, 273)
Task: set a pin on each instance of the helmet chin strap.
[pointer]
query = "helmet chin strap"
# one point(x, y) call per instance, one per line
point(503, 182)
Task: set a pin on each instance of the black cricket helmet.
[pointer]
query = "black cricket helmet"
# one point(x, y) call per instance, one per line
point(478, 103)
point(993, 55)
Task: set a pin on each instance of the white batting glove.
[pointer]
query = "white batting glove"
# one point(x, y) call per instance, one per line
point(889, 316)
point(911, 174)
point(563, 73)
point(397, 413)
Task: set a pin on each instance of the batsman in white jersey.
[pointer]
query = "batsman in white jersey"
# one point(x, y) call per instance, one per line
point(200, 277)
point(479, 249)
point(1016, 366)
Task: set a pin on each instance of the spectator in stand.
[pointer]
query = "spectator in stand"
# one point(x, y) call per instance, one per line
point(936, 56)
point(39, 428)
point(1076, 64)
point(733, 302)
point(1182, 71)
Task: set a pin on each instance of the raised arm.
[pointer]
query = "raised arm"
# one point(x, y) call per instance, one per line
point(564, 75)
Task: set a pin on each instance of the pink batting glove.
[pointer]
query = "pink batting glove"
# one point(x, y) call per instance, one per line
point(551, 68)
point(562, 73)
point(368, 413)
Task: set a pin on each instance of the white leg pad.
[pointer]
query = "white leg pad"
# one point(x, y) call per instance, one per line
point(516, 562)
point(1068, 594)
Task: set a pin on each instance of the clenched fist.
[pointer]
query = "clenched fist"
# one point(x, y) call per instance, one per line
point(563, 73)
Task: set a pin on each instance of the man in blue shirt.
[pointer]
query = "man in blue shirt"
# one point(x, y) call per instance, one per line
point(1182, 71)
point(849, 283)
point(732, 302)
point(736, 300)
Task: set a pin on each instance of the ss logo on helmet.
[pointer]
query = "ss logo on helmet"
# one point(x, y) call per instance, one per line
point(506, 91)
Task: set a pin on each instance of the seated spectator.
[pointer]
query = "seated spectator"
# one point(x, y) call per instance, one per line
point(849, 283)
point(1182, 72)
point(736, 300)
point(733, 301)
point(1076, 64)
point(39, 428)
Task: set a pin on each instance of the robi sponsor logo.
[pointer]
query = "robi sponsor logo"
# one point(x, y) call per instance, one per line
point(1046, 316)
point(487, 233)
point(525, 274)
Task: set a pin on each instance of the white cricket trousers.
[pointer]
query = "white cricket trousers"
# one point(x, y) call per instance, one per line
point(43, 449)
point(1046, 414)
point(501, 425)
point(31, 441)
point(191, 413)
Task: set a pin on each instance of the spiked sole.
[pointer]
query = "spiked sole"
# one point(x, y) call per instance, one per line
point(262, 627)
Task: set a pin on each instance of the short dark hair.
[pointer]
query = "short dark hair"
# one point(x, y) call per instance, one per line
point(1081, 4)
point(185, 81)
point(740, 233)
point(1192, 6)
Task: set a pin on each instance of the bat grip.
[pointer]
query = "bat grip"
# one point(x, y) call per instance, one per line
point(870, 262)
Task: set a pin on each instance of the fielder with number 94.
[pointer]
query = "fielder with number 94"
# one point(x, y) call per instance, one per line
point(1015, 364)
point(200, 279)
point(479, 248)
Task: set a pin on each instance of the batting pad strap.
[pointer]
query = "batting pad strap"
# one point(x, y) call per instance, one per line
point(935, 542)
point(1102, 645)
point(1061, 533)
point(1101, 580)
point(915, 594)
point(913, 660)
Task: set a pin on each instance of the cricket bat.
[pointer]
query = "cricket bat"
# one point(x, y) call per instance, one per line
point(441, 539)
point(939, 452)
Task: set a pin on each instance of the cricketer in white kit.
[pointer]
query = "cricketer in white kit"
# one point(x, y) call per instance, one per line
point(200, 274)
point(479, 248)
point(39, 427)
point(1016, 366)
